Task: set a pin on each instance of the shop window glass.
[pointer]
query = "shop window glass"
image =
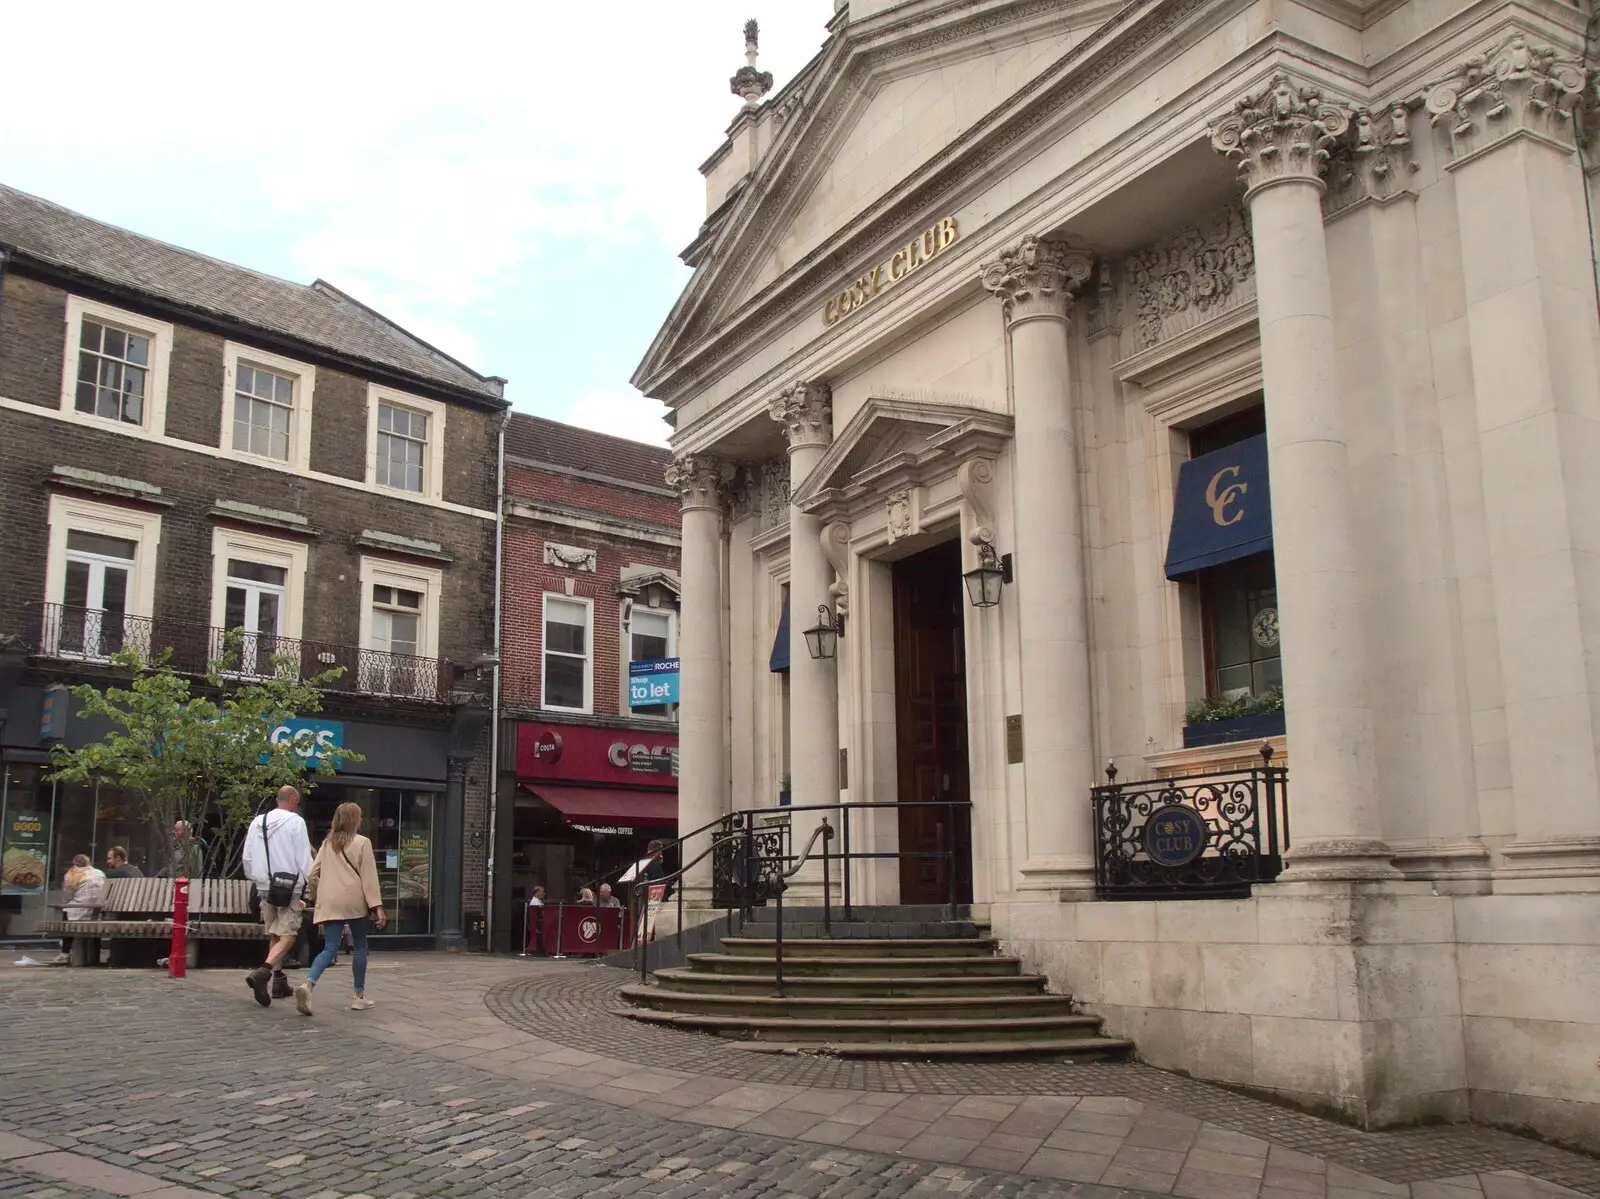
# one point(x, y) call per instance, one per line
point(566, 654)
point(400, 826)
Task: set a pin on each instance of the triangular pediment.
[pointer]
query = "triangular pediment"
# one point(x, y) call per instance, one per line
point(895, 442)
point(884, 101)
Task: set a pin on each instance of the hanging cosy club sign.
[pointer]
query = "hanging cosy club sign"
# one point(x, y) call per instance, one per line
point(915, 254)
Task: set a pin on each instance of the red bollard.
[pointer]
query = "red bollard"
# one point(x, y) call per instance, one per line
point(178, 960)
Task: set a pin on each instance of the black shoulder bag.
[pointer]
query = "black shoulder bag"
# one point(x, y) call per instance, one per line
point(280, 885)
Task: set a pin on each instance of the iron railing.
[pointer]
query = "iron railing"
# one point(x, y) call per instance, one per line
point(1196, 836)
point(752, 860)
point(93, 635)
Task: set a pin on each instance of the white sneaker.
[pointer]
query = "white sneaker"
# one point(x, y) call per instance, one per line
point(361, 1003)
point(61, 959)
point(302, 997)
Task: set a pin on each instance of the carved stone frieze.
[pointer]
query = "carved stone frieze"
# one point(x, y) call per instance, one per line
point(701, 480)
point(571, 557)
point(772, 504)
point(1374, 161)
point(1281, 133)
point(1104, 315)
point(1513, 87)
point(1038, 278)
point(805, 410)
point(1193, 273)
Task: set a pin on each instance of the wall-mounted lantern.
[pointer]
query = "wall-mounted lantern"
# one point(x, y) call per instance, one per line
point(985, 580)
point(823, 638)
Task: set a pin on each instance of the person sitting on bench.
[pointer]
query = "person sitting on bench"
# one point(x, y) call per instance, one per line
point(85, 890)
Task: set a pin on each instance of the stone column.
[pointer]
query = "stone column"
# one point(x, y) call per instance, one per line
point(1280, 137)
point(702, 795)
point(1035, 283)
point(806, 412)
point(1530, 297)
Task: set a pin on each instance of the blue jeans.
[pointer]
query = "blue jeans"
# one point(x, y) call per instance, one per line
point(332, 932)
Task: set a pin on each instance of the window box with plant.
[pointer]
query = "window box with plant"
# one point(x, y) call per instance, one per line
point(1216, 719)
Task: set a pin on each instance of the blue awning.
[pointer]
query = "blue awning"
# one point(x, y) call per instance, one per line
point(1223, 508)
point(780, 644)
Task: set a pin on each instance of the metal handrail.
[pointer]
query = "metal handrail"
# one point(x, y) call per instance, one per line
point(748, 888)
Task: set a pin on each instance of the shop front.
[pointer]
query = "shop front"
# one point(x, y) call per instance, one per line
point(400, 785)
point(588, 802)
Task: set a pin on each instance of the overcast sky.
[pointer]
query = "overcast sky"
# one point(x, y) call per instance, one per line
point(512, 181)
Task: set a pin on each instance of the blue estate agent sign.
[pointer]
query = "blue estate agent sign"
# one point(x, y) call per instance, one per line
point(311, 738)
point(1175, 835)
point(653, 682)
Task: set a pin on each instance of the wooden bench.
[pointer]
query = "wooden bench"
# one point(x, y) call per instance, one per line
point(141, 909)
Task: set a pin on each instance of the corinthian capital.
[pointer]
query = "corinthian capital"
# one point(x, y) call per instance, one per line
point(1512, 87)
point(1281, 133)
point(1038, 278)
point(805, 410)
point(700, 480)
point(1374, 163)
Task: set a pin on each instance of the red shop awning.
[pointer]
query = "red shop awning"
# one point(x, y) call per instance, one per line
point(608, 805)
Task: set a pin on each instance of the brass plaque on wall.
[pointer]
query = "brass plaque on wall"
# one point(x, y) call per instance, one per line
point(1014, 739)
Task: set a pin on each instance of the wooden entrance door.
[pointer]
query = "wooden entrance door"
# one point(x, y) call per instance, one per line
point(931, 724)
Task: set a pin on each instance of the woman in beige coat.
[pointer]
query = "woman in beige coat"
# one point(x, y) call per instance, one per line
point(343, 887)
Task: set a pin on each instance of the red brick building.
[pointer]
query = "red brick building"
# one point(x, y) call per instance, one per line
point(590, 583)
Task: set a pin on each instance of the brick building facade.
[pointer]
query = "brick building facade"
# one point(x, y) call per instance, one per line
point(590, 583)
point(188, 446)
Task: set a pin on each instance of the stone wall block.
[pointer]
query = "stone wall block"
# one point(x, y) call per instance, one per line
point(1532, 982)
point(1194, 921)
point(1273, 980)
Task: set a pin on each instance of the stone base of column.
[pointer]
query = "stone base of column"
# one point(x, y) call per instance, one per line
point(1353, 858)
point(1073, 877)
point(1459, 867)
point(1553, 864)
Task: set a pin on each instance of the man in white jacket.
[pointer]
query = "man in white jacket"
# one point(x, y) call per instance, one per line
point(277, 843)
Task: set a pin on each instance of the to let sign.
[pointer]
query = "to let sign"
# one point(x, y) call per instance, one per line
point(651, 683)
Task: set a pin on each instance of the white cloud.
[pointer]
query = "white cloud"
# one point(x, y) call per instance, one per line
point(622, 414)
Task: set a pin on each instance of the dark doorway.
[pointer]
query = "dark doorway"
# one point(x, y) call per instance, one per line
point(930, 669)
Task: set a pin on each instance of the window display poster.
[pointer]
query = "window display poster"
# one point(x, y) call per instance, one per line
point(412, 882)
point(25, 861)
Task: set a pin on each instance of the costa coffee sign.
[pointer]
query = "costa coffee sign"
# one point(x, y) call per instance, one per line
point(590, 755)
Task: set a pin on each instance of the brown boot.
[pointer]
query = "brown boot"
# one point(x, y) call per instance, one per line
point(257, 981)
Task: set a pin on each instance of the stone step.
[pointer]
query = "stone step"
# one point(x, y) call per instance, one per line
point(1080, 1048)
point(910, 913)
point(1021, 1031)
point(874, 1007)
point(947, 966)
point(843, 947)
point(864, 930)
point(882, 986)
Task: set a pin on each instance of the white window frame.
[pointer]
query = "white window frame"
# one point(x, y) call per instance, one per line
point(382, 572)
point(140, 526)
point(433, 460)
point(160, 335)
point(671, 614)
point(305, 386)
point(289, 556)
point(588, 659)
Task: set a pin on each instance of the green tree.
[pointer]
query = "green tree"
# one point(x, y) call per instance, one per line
point(200, 752)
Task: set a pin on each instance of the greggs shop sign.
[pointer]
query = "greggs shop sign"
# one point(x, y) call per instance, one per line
point(912, 256)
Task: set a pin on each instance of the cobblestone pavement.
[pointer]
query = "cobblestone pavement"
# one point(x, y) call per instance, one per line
point(483, 1076)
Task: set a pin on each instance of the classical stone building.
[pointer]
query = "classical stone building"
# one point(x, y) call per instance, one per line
point(188, 448)
point(1174, 316)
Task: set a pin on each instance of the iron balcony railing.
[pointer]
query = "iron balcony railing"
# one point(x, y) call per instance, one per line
point(1197, 836)
point(93, 635)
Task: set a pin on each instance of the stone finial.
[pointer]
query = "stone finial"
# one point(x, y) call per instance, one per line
point(805, 410)
point(1038, 278)
point(1513, 87)
point(1283, 132)
point(700, 480)
point(748, 83)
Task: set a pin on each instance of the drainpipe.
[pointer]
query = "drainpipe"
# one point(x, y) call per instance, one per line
point(494, 693)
